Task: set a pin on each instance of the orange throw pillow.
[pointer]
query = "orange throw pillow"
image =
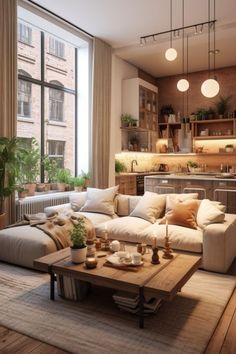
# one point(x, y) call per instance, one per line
point(181, 213)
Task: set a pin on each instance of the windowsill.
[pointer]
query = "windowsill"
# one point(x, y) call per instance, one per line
point(24, 119)
point(54, 122)
point(40, 195)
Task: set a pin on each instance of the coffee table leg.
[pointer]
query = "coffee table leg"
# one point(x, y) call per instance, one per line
point(52, 286)
point(141, 308)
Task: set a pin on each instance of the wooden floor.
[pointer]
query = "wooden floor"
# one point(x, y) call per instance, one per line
point(223, 340)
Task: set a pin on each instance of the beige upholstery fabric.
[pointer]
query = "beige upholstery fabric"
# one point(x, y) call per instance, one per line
point(21, 245)
point(100, 200)
point(150, 207)
point(77, 200)
point(208, 213)
point(125, 228)
point(133, 201)
point(122, 201)
point(219, 244)
point(62, 208)
point(101, 113)
point(181, 238)
point(96, 218)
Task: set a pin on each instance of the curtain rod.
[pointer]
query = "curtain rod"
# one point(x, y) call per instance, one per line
point(61, 18)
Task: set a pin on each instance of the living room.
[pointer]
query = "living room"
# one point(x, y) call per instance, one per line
point(121, 117)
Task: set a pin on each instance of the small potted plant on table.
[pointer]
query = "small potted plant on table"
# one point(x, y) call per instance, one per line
point(78, 242)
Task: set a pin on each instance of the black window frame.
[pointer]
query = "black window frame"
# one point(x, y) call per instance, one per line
point(56, 47)
point(27, 92)
point(44, 85)
point(57, 155)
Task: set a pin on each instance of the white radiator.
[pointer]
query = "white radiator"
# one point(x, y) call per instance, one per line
point(36, 204)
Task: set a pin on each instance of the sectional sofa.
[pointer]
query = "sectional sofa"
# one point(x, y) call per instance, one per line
point(209, 232)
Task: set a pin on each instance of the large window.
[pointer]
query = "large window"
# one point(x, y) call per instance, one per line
point(56, 103)
point(53, 90)
point(24, 96)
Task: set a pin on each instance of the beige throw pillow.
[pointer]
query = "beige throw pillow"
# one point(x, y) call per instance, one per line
point(150, 207)
point(181, 213)
point(100, 200)
point(209, 213)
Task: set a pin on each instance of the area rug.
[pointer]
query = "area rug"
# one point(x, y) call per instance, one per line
point(95, 325)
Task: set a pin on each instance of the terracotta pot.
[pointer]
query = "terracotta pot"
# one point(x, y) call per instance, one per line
point(61, 187)
point(53, 186)
point(87, 182)
point(78, 255)
point(40, 187)
point(22, 195)
point(47, 187)
point(3, 221)
point(78, 189)
point(31, 187)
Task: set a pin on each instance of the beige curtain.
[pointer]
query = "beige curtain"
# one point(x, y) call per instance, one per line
point(101, 111)
point(8, 76)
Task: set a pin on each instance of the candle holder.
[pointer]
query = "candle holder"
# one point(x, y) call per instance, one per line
point(167, 253)
point(105, 243)
point(155, 257)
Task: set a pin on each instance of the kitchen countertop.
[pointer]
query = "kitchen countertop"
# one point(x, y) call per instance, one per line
point(205, 177)
point(142, 173)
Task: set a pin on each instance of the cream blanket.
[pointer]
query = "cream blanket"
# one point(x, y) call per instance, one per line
point(57, 226)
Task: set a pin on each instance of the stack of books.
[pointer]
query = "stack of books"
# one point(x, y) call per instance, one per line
point(130, 302)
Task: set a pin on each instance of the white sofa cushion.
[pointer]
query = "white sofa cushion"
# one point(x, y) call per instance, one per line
point(209, 213)
point(96, 218)
point(181, 238)
point(150, 207)
point(77, 200)
point(123, 229)
point(100, 200)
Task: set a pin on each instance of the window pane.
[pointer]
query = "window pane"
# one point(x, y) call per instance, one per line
point(59, 62)
point(29, 110)
point(59, 133)
point(29, 46)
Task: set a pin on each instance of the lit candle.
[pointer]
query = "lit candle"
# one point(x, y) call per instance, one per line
point(166, 228)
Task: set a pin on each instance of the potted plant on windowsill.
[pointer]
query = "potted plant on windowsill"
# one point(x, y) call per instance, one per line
point(63, 178)
point(9, 164)
point(50, 167)
point(78, 242)
point(22, 192)
point(30, 166)
point(78, 183)
point(87, 178)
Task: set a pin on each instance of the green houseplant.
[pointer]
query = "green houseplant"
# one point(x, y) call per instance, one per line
point(119, 166)
point(63, 177)
point(192, 166)
point(78, 183)
point(78, 242)
point(223, 105)
point(30, 166)
point(9, 164)
point(128, 121)
point(50, 168)
point(166, 110)
point(87, 178)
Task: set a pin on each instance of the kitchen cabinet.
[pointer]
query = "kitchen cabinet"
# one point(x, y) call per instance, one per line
point(140, 101)
point(127, 184)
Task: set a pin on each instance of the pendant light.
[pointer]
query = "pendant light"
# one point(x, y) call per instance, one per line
point(183, 84)
point(210, 87)
point(171, 53)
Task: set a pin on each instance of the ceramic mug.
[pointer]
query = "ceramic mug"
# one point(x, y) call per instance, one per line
point(136, 258)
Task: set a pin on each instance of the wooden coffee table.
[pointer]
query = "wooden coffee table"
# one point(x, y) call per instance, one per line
point(163, 281)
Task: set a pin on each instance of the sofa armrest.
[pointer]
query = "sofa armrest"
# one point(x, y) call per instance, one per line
point(57, 208)
point(219, 245)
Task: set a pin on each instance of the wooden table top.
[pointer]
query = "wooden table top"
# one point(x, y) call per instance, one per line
point(165, 279)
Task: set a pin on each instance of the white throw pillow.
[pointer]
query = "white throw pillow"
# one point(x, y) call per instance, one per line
point(77, 200)
point(150, 207)
point(100, 200)
point(209, 213)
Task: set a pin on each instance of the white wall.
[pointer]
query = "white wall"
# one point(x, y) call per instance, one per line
point(120, 70)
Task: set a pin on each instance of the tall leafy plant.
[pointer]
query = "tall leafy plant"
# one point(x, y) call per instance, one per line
point(30, 163)
point(9, 165)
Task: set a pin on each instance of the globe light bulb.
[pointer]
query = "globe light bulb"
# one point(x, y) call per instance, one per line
point(171, 54)
point(183, 85)
point(210, 88)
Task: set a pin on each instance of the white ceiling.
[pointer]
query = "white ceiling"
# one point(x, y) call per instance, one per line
point(121, 23)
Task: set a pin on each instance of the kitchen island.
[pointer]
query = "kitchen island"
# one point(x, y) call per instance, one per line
point(205, 184)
